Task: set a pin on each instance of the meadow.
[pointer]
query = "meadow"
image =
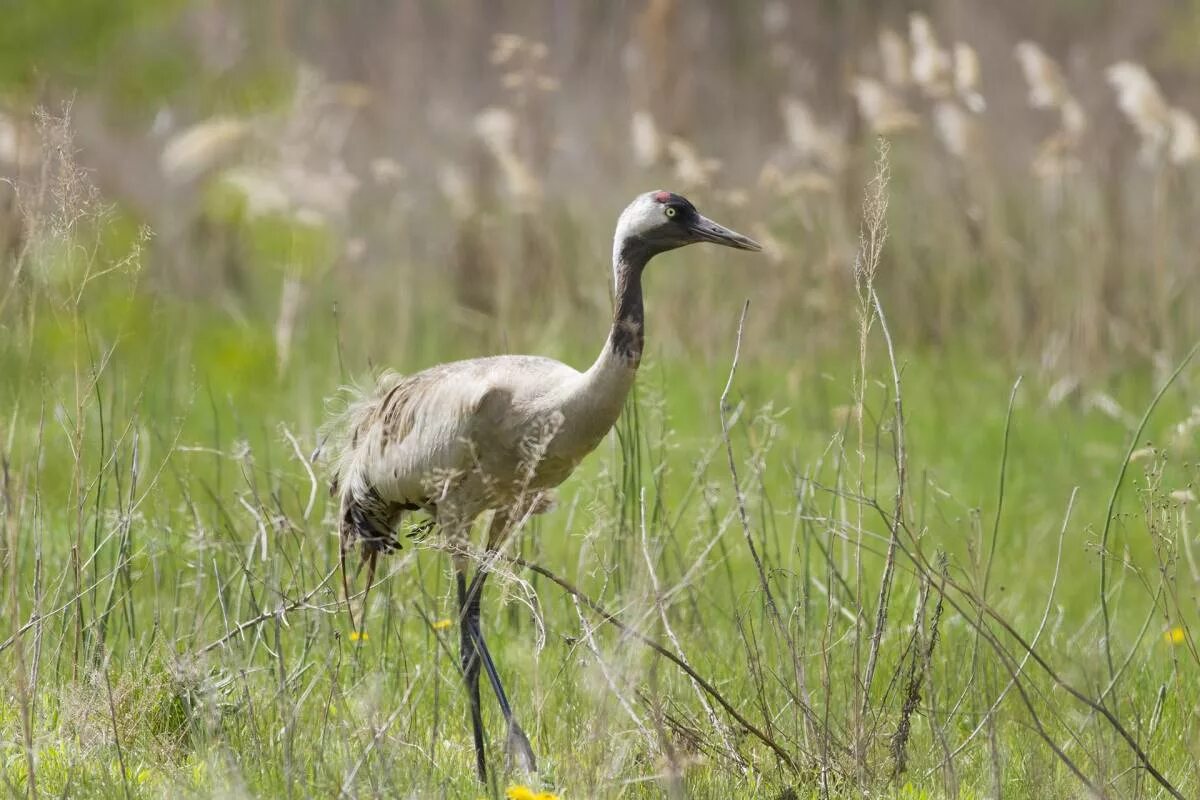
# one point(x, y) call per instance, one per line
point(901, 508)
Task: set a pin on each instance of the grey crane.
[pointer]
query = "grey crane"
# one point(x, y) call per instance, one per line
point(497, 434)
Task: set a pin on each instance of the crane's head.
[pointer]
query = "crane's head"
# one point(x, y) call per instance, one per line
point(656, 222)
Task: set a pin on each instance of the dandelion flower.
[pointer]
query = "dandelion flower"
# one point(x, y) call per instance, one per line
point(525, 793)
point(1175, 635)
point(359, 636)
point(442, 624)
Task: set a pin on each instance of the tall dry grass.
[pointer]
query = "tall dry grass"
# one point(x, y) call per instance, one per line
point(1027, 219)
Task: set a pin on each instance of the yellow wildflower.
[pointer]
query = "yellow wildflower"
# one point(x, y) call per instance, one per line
point(442, 624)
point(356, 636)
point(525, 793)
point(1175, 635)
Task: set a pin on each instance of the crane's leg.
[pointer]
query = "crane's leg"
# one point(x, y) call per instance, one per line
point(470, 662)
point(517, 747)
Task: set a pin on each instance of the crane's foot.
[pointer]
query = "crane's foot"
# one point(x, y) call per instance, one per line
point(517, 751)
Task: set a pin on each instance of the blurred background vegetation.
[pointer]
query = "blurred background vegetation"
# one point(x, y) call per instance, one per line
point(470, 157)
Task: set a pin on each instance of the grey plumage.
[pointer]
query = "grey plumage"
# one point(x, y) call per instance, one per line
point(498, 433)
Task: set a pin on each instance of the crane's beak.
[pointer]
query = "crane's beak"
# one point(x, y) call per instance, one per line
point(705, 230)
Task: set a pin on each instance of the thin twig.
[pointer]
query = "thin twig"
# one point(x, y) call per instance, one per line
point(271, 614)
point(662, 651)
point(662, 613)
point(1033, 643)
point(920, 562)
point(312, 478)
point(737, 486)
point(1112, 502)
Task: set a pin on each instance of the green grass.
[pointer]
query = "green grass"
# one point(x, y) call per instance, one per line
point(154, 500)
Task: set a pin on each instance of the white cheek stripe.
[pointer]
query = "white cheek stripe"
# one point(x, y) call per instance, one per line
point(642, 215)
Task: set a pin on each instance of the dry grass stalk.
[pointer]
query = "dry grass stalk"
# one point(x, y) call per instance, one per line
point(870, 309)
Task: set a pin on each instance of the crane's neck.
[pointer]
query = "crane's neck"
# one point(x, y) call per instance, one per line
point(627, 336)
point(596, 401)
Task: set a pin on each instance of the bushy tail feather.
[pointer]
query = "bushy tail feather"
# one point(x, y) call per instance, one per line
point(364, 517)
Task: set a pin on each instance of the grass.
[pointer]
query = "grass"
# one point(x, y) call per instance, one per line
point(157, 495)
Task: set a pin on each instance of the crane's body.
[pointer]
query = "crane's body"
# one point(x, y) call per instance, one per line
point(462, 438)
point(498, 433)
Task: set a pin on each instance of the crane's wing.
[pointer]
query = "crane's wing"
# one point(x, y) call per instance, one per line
point(394, 441)
point(399, 445)
point(390, 444)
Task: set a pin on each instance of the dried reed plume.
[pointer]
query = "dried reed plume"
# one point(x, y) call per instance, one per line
point(19, 145)
point(1047, 87)
point(956, 128)
point(691, 169)
point(967, 77)
point(880, 108)
point(497, 129)
point(894, 58)
point(1057, 156)
point(203, 148)
point(812, 142)
point(1166, 133)
point(646, 141)
point(932, 67)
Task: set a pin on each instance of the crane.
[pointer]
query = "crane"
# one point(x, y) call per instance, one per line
point(497, 434)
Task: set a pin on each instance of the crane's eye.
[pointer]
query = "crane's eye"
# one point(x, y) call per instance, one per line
point(670, 212)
